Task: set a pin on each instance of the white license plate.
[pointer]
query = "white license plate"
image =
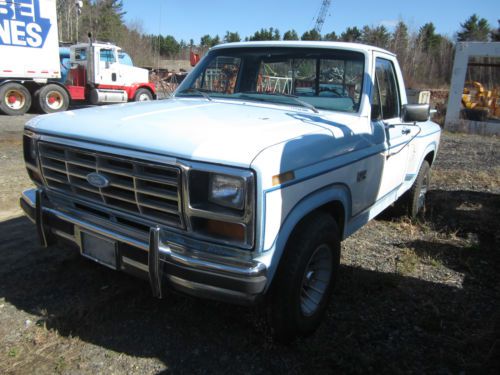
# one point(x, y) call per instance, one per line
point(99, 249)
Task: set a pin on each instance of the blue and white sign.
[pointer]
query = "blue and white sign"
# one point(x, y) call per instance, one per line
point(22, 25)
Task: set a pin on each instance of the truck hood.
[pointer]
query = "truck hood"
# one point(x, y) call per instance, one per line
point(226, 132)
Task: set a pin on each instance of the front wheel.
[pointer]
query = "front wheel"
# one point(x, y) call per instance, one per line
point(305, 278)
point(418, 191)
point(412, 202)
point(143, 95)
point(15, 99)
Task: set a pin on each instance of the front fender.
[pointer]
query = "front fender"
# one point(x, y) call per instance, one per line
point(307, 205)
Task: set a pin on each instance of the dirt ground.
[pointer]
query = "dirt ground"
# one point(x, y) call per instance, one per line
point(411, 297)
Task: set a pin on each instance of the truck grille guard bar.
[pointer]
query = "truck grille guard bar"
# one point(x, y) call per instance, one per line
point(40, 229)
point(159, 254)
point(155, 267)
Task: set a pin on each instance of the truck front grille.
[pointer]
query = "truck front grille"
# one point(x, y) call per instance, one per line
point(138, 187)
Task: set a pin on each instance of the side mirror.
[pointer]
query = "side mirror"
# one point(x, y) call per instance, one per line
point(416, 112)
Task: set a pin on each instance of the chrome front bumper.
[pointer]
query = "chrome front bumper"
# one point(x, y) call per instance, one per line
point(188, 270)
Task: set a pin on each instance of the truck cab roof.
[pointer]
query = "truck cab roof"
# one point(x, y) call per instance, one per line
point(97, 44)
point(364, 48)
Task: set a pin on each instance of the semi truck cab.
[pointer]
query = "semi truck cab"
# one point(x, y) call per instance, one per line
point(97, 72)
point(31, 70)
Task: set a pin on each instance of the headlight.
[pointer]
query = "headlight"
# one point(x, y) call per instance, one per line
point(30, 157)
point(227, 191)
point(29, 149)
point(221, 204)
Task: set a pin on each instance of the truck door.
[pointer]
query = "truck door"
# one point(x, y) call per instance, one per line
point(107, 67)
point(386, 112)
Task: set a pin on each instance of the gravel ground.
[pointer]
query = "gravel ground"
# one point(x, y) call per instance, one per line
point(13, 174)
point(411, 297)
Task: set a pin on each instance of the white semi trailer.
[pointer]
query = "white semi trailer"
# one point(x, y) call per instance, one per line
point(30, 67)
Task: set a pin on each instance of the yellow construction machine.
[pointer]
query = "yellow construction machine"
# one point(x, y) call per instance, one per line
point(479, 103)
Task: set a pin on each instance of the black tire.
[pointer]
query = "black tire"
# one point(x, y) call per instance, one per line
point(15, 99)
point(143, 95)
point(412, 203)
point(418, 191)
point(52, 98)
point(292, 310)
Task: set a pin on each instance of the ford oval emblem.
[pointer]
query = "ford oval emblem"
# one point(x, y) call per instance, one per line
point(97, 180)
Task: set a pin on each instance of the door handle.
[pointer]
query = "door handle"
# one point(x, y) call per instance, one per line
point(405, 131)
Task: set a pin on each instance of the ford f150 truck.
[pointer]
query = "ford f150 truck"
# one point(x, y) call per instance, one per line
point(244, 184)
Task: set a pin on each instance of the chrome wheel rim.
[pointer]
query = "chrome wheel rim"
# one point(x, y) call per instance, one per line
point(143, 97)
point(316, 279)
point(54, 100)
point(422, 193)
point(14, 99)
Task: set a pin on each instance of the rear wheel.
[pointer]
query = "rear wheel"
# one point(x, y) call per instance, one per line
point(15, 99)
point(52, 98)
point(143, 95)
point(305, 279)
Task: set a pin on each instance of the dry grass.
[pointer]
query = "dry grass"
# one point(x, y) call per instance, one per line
point(489, 180)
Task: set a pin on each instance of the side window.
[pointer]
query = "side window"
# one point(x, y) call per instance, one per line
point(220, 75)
point(385, 95)
point(107, 55)
point(80, 54)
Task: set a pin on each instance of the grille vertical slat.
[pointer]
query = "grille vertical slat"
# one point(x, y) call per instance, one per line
point(135, 186)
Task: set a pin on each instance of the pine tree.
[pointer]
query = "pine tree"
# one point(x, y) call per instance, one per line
point(428, 38)
point(215, 41)
point(168, 45)
point(331, 37)
point(376, 36)
point(400, 43)
point(266, 34)
point(351, 34)
point(400, 37)
point(206, 41)
point(290, 35)
point(474, 29)
point(276, 35)
point(311, 35)
point(231, 37)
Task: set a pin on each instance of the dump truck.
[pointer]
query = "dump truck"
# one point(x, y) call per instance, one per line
point(30, 69)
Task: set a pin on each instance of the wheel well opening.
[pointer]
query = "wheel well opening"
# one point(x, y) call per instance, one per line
point(335, 209)
point(146, 88)
point(429, 157)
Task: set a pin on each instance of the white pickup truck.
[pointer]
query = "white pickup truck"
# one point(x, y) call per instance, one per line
point(244, 184)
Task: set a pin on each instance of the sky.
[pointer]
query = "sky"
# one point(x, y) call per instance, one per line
point(191, 19)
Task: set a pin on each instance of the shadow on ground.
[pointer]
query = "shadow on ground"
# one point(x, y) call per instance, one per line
point(467, 213)
point(378, 321)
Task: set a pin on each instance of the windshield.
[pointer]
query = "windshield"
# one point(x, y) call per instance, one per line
point(323, 78)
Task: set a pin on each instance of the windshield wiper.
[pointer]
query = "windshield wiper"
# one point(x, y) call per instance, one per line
point(198, 91)
point(293, 97)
